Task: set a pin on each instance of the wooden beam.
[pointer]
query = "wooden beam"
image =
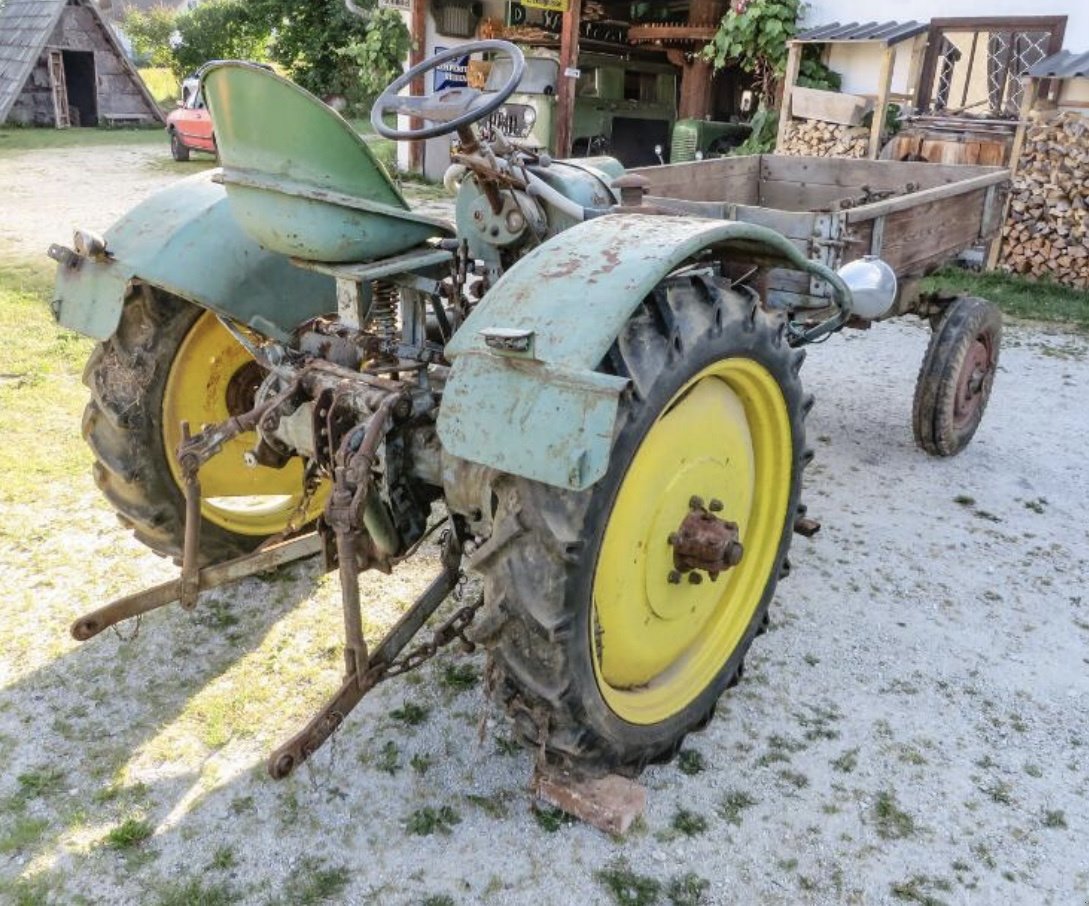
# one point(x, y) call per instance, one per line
point(884, 83)
point(794, 60)
point(417, 53)
point(565, 91)
point(1028, 101)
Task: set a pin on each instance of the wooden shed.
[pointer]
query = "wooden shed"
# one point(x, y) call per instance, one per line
point(61, 65)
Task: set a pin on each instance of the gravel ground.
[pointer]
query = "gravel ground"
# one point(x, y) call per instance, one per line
point(914, 727)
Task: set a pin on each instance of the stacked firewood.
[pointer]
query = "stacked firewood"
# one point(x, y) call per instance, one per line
point(593, 11)
point(1047, 231)
point(814, 138)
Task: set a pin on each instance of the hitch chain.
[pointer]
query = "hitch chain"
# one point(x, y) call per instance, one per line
point(453, 628)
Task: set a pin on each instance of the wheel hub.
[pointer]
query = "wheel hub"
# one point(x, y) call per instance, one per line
point(973, 375)
point(704, 543)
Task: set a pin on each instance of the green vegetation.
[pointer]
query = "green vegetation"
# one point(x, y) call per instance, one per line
point(1016, 296)
point(628, 888)
point(892, 822)
point(733, 804)
point(691, 824)
point(460, 677)
point(551, 820)
point(410, 713)
point(427, 821)
point(690, 762)
point(314, 882)
point(163, 85)
point(17, 139)
point(132, 832)
point(193, 892)
point(688, 890)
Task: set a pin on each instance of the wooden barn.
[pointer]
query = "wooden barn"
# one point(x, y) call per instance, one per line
point(61, 65)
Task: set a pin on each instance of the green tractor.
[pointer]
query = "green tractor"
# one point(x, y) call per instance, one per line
point(291, 361)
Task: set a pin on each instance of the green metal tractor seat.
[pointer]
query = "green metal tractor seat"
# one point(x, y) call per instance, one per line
point(300, 180)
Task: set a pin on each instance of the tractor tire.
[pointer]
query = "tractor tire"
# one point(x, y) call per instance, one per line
point(148, 370)
point(716, 410)
point(178, 150)
point(956, 376)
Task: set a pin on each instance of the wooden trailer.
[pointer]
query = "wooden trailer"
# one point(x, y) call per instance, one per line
point(915, 216)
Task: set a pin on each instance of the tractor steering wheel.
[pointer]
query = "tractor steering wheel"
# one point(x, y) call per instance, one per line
point(452, 108)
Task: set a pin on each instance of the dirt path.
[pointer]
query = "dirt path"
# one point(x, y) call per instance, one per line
point(914, 727)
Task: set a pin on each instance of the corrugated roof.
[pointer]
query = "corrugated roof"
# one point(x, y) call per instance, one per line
point(1062, 65)
point(887, 33)
point(25, 26)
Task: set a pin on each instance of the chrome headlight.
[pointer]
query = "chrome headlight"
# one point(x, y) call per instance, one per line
point(530, 117)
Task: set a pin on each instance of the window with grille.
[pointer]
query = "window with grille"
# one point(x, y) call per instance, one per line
point(978, 66)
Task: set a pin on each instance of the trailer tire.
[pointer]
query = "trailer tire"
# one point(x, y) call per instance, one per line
point(552, 561)
point(956, 376)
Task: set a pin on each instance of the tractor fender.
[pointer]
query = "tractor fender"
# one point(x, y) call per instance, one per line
point(525, 395)
point(185, 241)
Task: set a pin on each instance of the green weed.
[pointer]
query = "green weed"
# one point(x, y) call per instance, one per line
point(427, 821)
point(129, 834)
point(193, 892)
point(733, 804)
point(551, 819)
point(1038, 300)
point(690, 762)
point(628, 888)
point(1055, 818)
point(688, 890)
point(691, 824)
point(892, 822)
point(410, 713)
point(313, 882)
point(460, 677)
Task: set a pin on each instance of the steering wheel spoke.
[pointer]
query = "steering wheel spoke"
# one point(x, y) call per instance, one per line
point(452, 108)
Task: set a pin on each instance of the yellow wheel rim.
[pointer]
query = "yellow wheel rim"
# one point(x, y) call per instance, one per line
point(211, 378)
point(725, 435)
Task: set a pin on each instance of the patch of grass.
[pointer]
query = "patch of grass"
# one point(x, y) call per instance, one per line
point(223, 859)
point(733, 804)
point(796, 779)
point(25, 891)
point(1037, 300)
point(389, 758)
point(913, 891)
point(494, 806)
point(1037, 506)
point(194, 892)
point(39, 784)
point(964, 500)
point(690, 762)
point(628, 888)
point(130, 833)
point(688, 890)
point(1055, 818)
point(846, 762)
point(438, 899)
point(460, 677)
point(14, 140)
point(1000, 792)
point(892, 822)
point(162, 84)
point(427, 821)
point(507, 745)
point(314, 882)
point(410, 713)
point(23, 833)
point(551, 819)
point(420, 763)
point(689, 823)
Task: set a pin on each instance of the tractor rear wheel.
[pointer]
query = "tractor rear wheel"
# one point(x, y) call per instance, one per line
point(170, 360)
point(955, 380)
point(604, 647)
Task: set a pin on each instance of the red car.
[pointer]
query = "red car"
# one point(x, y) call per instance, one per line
point(190, 126)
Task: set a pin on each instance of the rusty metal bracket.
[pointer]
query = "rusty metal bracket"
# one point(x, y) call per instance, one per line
point(91, 624)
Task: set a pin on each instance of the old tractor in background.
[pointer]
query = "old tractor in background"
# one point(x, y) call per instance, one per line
point(591, 390)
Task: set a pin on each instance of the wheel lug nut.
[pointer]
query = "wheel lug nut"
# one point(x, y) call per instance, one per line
point(694, 578)
point(715, 506)
point(250, 459)
point(695, 503)
point(713, 577)
point(674, 578)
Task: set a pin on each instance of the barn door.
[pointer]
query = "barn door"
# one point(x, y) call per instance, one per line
point(60, 89)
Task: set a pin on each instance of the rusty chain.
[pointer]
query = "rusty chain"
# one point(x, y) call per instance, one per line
point(453, 628)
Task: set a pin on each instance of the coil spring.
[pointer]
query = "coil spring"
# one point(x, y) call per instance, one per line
point(384, 304)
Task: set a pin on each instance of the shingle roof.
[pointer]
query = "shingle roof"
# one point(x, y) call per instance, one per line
point(1062, 65)
point(25, 26)
point(887, 33)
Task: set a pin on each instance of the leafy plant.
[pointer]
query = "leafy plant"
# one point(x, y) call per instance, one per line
point(765, 126)
point(754, 34)
point(218, 30)
point(150, 33)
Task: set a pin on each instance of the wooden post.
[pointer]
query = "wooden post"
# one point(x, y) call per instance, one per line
point(884, 83)
point(1028, 101)
point(794, 60)
point(417, 53)
point(565, 90)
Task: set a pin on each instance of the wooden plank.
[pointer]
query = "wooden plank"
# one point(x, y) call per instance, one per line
point(794, 60)
point(827, 106)
point(732, 179)
point(851, 175)
point(917, 199)
point(565, 89)
point(884, 82)
point(921, 238)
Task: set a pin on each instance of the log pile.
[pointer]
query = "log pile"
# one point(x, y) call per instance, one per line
point(1046, 233)
point(814, 138)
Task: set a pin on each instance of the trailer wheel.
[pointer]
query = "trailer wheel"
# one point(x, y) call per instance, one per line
point(956, 376)
point(170, 360)
point(605, 652)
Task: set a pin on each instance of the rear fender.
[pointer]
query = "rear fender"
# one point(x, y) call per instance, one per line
point(525, 395)
point(185, 241)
